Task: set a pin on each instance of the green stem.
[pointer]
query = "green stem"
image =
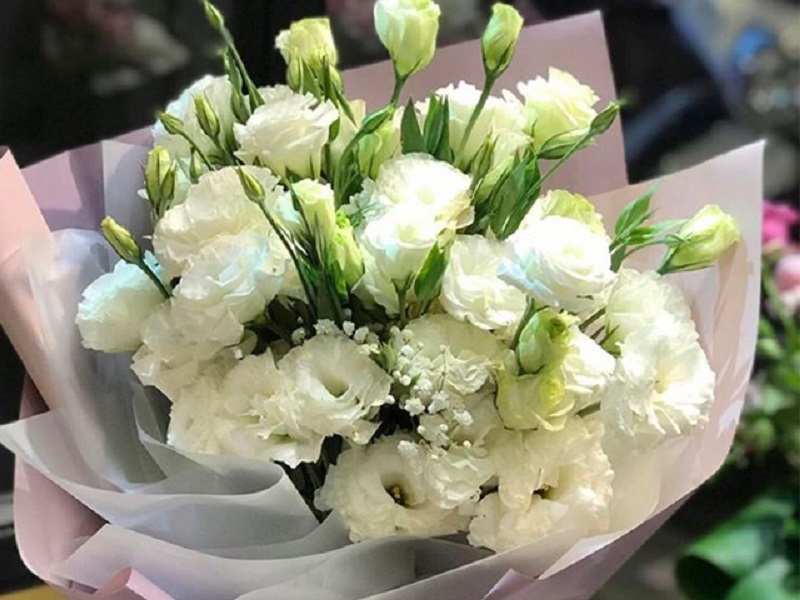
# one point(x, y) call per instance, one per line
point(402, 294)
point(154, 278)
point(487, 90)
point(399, 82)
point(587, 323)
point(530, 310)
point(293, 255)
point(197, 149)
point(589, 410)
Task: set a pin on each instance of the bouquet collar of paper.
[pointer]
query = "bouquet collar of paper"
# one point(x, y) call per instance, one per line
point(418, 352)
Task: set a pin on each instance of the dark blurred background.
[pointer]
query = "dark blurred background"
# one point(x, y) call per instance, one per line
point(700, 77)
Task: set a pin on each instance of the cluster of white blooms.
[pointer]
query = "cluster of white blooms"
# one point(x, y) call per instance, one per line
point(391, 306)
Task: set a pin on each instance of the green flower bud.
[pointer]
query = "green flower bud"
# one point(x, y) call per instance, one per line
point(213, 15)
point(172, 124)
point(196, 168)
point(158, 163)
point(122, 241)
point(317, 204)
point(309, 42)
point(533, 401)
point(544, 340)
point(345, 251)
point(168, 186)
point(499, 41)
point(209, 122)
point(492, 178)
point(252, 187)
point(703, 239)
point(408, 30)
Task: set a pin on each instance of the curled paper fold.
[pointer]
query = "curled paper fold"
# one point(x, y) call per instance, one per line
point(106, 509)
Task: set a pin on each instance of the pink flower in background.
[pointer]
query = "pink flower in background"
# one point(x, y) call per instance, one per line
point(778, 222)
point(787, 279)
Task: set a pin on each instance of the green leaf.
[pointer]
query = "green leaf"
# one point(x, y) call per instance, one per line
point(713, 565)
point(432, 126)
point(429, 281)
point(436, 135)
point(410, 133)
point(767, 582)
point(482, 162)
point(769, 348)
point(443, 151)
point(375, 121)
point(634, 214)
point(605, 119)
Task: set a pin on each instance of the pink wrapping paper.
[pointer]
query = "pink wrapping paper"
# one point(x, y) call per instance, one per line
point(72, 190)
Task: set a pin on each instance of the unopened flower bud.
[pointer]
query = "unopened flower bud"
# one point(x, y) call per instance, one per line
point(122, 241)
point(213, 15)
point(171, 123)
point(196, 168)
point(704, 238)
point(533, 401)
point(499, 41)
point(158, 163)
point(544, 340)
point(346, 252)
point(408, 30)
point(206, 117)
point(252, 187)
point(307, 42)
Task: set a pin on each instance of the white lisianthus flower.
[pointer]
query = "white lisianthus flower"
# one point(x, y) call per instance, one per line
point(227, 284)
point(587, 369)
point(664, 386)
point(452, 458)
point(261, 398)
point(559, 262)
point(432, 189)
point(338, 390)
point(186, 229)
point(169, 361)
point(637, 300)
point(217, 91)
point(470, 421)
point(558, 106)
point(471, 289)
point(548, 483)
point(560, 203)
point(408, 30)
point(501, 119)
point(115, 306)
point(398, 243)
point(377, 495)
point(287, 133)
point(462, 355)
point(452, 477)
point(198, 420)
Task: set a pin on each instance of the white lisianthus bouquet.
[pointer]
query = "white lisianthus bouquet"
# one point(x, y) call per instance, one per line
point(426, 342)
point(337, 349)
